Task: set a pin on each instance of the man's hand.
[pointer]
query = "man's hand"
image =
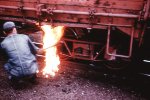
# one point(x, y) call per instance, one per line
point(41, 51)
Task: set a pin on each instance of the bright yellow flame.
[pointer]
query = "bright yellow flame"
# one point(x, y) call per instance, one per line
point(51, 37)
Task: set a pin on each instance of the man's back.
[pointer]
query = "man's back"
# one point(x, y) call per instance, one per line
point(21, 60)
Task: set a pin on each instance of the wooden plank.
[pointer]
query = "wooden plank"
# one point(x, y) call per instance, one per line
point(117, 4)
point(11, 3)
point(122, 4)
point(31, 1)
point(75, 8)
point(18, 4)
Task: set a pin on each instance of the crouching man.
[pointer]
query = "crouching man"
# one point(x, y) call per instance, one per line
point(21, 54)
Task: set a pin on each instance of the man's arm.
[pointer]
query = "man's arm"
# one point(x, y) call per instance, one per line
point(35, 49)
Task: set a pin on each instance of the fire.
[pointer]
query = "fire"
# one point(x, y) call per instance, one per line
point(52, 35)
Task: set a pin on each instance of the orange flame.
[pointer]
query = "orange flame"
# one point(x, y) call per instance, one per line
point(51, 37)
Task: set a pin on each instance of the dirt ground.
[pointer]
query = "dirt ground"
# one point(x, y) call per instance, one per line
point(77, 81)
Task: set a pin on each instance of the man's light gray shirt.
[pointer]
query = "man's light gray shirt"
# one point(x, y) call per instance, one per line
point(21, 53)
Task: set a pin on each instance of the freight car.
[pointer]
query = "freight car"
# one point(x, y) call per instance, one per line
point(112, 31)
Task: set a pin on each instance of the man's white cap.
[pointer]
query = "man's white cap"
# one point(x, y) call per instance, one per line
point(8, 25)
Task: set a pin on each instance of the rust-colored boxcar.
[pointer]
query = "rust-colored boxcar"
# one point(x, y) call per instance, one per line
point(96, 30)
